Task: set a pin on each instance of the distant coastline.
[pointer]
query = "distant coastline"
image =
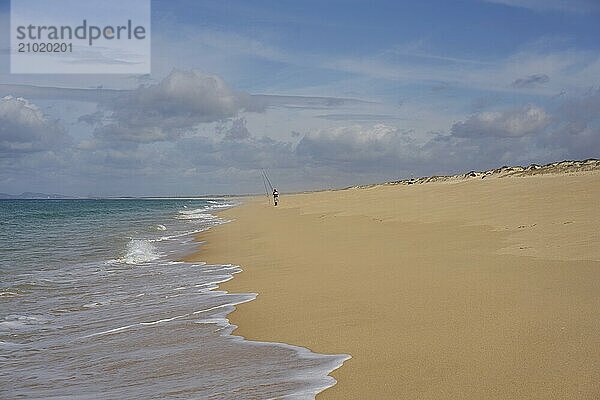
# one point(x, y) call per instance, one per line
point(566, 166)
point(45, 196)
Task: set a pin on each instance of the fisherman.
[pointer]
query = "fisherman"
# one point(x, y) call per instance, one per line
point(275, 196)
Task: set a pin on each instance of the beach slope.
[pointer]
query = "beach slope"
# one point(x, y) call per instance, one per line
point(481, 287)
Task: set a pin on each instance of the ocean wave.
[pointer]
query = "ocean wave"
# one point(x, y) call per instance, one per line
point(91, 305)
point(140, 307)
point(180, 235)
point(140, 251)
point(200, 215)
point(223, 205)
point(194, 211)
point(227, 307)
point(9, 345)
point(19, 323)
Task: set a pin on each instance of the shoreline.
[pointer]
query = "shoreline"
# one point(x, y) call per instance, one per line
point(448, 289)
point(320, 378)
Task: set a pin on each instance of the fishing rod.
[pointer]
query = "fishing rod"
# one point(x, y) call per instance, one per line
point(267, 178)
point(266, 189)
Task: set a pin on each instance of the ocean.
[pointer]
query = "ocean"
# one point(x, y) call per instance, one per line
point(96, 304)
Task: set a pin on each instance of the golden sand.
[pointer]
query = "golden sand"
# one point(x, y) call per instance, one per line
point(467, 289)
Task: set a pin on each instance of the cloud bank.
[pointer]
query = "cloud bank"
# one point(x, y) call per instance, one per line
point(167, 110)
point(193, 128)
point(512, 123)
point(25, 129)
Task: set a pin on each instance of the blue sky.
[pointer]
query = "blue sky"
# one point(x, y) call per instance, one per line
point(397, 89)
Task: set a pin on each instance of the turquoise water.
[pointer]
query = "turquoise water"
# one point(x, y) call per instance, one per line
point(95, 304)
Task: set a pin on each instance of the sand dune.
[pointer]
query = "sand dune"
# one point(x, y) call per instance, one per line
point(459, 288)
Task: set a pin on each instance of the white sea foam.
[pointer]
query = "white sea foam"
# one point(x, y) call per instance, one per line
point(19, 322)
point(140, 251)
point(180, 235)
point(202, 213)
point(126, 327)
point(199, 215)
point(224, 205)
point(194, 211)
point(164, 320)
point(91, 305)
point(213, 308)
point(115, 330)
point(222, 322)
point(7, 346)
point(145, 306)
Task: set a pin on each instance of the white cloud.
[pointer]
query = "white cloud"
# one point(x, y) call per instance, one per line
point(356, 147)
point(25, 129)
point(236, 131)
point(167, 110)
point(153, 148)
point(512, 123)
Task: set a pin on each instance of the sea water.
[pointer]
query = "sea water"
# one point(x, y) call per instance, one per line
point(95, 304)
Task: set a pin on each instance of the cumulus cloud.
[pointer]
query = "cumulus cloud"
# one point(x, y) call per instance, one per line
point(356, 147)
point(519, 136)
point(250, 154)
point(530, 81)
point(237, 130)
point(384, 152)
point(230, 158)
point(513, 123)
point(577, 130)
point(25, 129)
point(481, 141)
point(166, 110)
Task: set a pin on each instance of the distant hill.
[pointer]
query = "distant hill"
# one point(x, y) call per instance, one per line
point(33, 196)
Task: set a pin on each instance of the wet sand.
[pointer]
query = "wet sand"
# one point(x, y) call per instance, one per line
point(466, 289)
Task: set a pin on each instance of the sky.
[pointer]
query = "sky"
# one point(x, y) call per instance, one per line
point(321, 94)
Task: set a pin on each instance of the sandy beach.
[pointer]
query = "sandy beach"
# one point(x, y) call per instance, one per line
point(463, 288)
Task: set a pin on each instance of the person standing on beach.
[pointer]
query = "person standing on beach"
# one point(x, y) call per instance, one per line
point(275, 196)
